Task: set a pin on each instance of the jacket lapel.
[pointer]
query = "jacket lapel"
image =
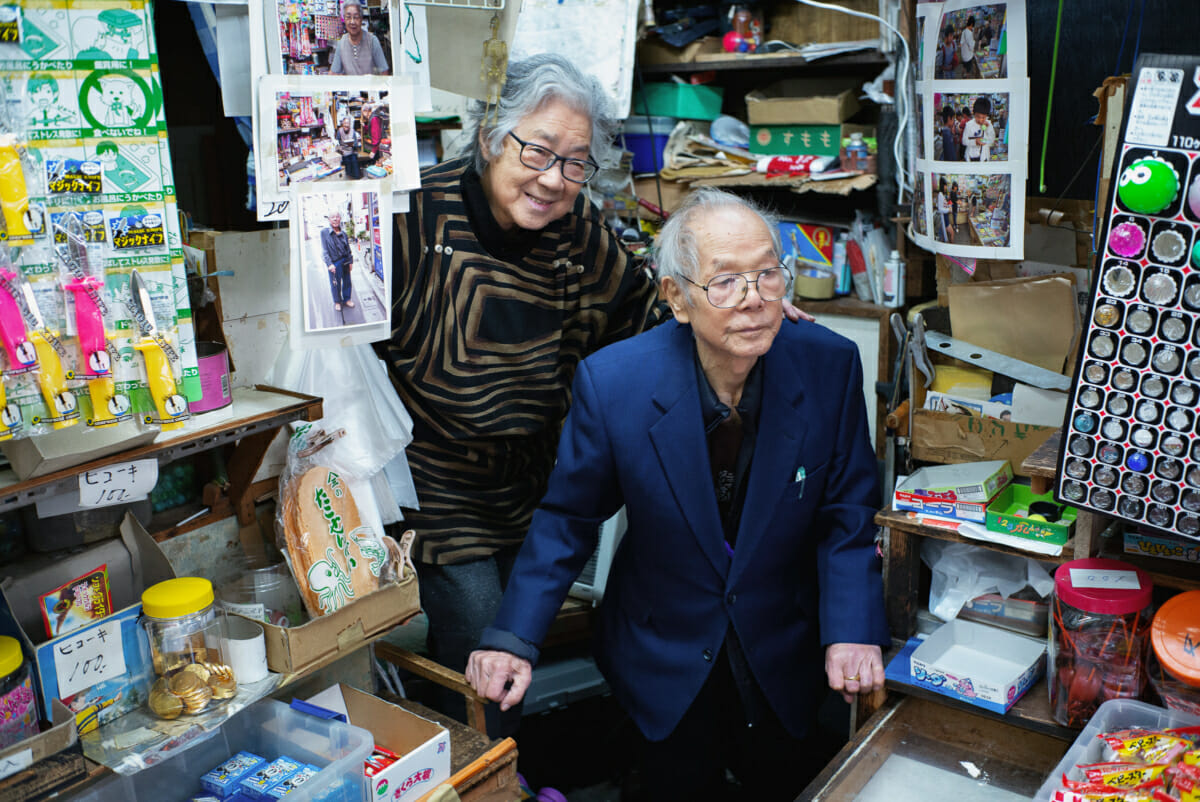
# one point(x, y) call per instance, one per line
point(781, 433)
point(678, 440)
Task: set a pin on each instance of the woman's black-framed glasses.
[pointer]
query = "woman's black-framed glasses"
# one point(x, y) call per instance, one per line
point(536, 157)
point(727, 290)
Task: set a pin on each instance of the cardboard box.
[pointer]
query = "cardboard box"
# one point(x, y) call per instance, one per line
point(802, 140)
point(66, 448)
point(1008, 512)
point(292, 650)
point(653, 50)
point(682, 101)
point(20, 781)
point(800, 102)
point(1162, 545)
point(981, 665)
point(800, 24)
point(115, 695)
point(61, 735)
point(673, 192)
point(423, 746)
point(953, 491)
point(952, 438)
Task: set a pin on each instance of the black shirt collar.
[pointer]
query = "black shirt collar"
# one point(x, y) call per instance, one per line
point(714, 411)
point(508, 246)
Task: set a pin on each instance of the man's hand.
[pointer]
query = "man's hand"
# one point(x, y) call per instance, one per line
point(794, 314)
point(330, 268)
point(499, 676)
point(854, 668)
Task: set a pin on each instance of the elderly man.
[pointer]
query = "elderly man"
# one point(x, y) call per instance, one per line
point(731, 583)
point(335, 247)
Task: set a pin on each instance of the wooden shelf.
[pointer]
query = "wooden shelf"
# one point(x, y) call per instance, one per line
point(258, 411)
point(897, 519)
point(1181, 576)
point(1031, 712)
point(771, 61)
point(847, 305)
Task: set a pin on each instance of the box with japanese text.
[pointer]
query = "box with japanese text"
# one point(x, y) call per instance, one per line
point(953, 491)
point(423, 747)
point(103, 669)
point(803, 140)
point(981, 665)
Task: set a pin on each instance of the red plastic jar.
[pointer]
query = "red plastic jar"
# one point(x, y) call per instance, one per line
point(1099, 630)
point(1174, 665)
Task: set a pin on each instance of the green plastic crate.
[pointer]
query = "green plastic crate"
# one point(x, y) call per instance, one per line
point(684, 101)
point(1002, 516)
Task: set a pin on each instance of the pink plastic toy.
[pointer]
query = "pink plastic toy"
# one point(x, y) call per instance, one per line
point(90, 325)
point(21, 353)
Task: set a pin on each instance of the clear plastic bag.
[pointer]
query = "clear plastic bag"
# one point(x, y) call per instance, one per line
point(328, 527)
point(962, 572)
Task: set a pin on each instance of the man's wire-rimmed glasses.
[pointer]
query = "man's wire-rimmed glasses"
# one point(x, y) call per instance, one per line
point(536, 157)
point(727, 290)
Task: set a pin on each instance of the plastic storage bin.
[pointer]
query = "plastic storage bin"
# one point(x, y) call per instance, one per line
point(1115, 714)
point(646, 139)
point(268, 729)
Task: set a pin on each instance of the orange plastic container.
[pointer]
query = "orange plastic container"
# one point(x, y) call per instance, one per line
point(1175, 665)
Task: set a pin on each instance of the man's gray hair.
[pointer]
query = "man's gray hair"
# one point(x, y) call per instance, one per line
point(677, 254)
point(531, 83)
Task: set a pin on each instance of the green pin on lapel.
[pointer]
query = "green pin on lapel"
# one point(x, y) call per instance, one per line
point(800, 474)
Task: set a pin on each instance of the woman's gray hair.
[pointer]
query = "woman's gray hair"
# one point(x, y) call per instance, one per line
point(352, 3)
point(531, 83)
point(677, 254)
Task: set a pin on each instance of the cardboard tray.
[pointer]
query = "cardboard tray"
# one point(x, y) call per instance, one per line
point(61, 735)
point(294, 650)
point(977, 664)
point(1008, 513)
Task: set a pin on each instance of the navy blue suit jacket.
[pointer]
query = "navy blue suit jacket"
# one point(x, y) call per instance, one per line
point(804, 573)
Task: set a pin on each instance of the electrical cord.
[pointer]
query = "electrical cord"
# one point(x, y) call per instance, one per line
point(902, 106)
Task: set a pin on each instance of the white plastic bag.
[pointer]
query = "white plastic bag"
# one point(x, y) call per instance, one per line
point(962, 571)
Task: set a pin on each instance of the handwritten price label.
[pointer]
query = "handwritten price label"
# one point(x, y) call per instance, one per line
point(1091, 578)
point(88, 657)
point(16, 762)
point(118, 483)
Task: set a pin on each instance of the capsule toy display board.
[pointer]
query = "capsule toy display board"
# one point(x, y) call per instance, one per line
point(1132, 446)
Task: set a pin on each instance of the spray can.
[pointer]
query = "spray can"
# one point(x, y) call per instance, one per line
point(893, 281)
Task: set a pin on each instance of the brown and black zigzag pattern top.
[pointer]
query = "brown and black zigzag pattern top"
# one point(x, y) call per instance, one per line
point(484, 349)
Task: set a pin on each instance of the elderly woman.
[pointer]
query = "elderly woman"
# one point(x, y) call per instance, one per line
point(505, 278)
point(358, 51)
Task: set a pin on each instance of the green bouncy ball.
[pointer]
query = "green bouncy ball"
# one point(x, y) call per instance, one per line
point(1148, 185)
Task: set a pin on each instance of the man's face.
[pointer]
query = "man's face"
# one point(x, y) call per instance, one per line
point(335, 222)
point(353, 19)
point(729, 240)
point(346, 123)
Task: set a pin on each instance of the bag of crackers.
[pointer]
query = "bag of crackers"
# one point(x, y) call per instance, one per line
point(328, 527)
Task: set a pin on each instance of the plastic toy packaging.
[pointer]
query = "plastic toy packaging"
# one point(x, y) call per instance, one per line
point(167, 408)
point(81, 275)
point(35, 390)
point(327, 527)
point(1140, 765)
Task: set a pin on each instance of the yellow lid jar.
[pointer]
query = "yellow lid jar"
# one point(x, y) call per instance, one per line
point(186, 636)
point(18, 705)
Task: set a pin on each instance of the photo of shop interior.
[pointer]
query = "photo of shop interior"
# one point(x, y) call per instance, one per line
point(332, 136)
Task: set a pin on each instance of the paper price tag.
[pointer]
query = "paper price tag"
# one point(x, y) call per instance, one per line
point(90, 656)
point(1093, 578)
point(117, 484)
point(13, 763)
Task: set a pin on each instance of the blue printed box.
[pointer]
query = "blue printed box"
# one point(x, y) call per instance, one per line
point(223, 779)
point(977, 664)
point(256, 784)
point(284, 787)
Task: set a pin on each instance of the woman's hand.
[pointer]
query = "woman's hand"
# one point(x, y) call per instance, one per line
point(794, 313)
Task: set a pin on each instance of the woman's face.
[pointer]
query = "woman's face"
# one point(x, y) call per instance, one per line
point(523, 197)
point(352, 16)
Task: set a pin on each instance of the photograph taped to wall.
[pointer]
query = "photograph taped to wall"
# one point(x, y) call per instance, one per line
point(972, 209)
point(920, 227)
point(972, 42)
point(971, 126)
point(341, 264)
point(331, 37)
point(414, 54)
point(331, 131)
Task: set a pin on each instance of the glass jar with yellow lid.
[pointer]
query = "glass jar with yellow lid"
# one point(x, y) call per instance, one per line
point(185, 635)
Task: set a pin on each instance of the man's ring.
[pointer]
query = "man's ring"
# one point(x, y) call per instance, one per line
point(855, 678)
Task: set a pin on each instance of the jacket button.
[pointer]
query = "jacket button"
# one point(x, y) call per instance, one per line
point(438, 247)
point(708, 655)
point(579, 268)
point(449, 250)
point(424, 249)
point(730, 599)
